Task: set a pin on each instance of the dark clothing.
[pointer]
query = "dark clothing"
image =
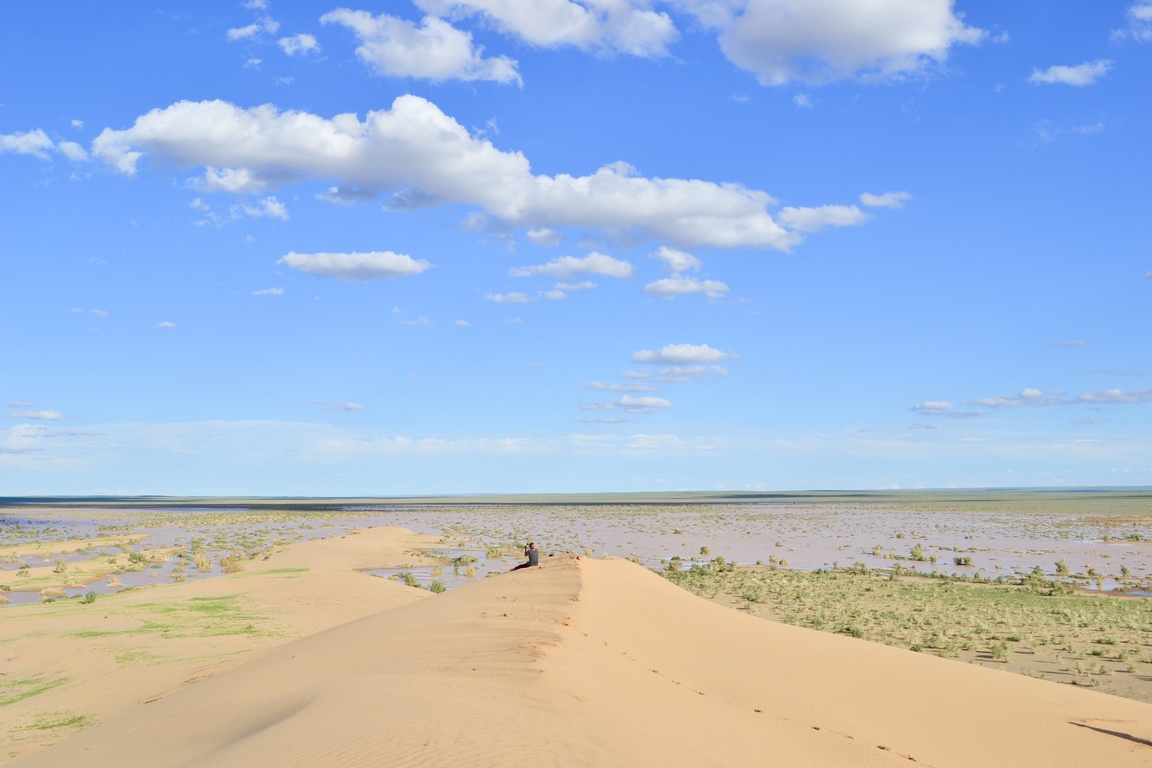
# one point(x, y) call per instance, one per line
point(533, 559)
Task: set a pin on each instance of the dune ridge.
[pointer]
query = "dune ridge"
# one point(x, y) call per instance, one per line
point(599, 662)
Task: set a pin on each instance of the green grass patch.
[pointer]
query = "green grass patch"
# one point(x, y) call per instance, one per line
point(58, 720)
point(946, 616)
point(13, 690)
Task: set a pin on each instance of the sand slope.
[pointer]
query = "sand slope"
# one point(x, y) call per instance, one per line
point(599, 662)
point(101, 661)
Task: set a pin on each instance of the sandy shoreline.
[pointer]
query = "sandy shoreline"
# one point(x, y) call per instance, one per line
point(600, 662)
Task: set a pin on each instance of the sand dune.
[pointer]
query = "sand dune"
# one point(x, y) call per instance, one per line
point(599, 662)
point(98, 662)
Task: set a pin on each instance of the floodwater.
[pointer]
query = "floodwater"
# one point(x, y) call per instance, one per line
point(1095, 553)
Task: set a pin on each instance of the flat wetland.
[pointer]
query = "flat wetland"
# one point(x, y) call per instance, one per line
point(1051, 584)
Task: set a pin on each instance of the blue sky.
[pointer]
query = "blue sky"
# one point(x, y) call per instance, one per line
point(450, 247)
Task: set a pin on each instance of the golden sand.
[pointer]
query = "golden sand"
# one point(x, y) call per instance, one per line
point(600, 662)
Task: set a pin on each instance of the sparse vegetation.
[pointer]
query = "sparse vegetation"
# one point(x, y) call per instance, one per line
point(1031, 617)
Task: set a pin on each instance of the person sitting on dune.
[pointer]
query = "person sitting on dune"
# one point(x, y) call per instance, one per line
point(533, 556)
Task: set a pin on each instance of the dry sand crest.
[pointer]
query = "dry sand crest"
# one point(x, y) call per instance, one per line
point(600, 662)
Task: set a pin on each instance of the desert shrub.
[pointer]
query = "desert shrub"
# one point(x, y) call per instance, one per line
point(963, 560)
point(705, 551)
point(203, 564)
point(89, 598)
point(138, 557)
point(437, 587)
point(61, 565)
point(494, 552)
point(231, 563)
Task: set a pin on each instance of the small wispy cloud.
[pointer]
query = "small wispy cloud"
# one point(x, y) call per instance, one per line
point(1080, 75)
point(803, 100)
point(511, 297)
point(1027, 396)
point(166, 325)
point(330, 405)
point(1139, 23)
point(681, 354)
point(669, 288)
point(36, 415)
point(1116, 397)
point(419, 321)
point(269, 292)
point(261, 25)
point(566, 267)
point(355, 266)
point(461, 323)
point(20, 404)
point(944, 408)
point(544, 237)
point(886, 200)
point(1067, 344)
point(301, 44)
point(602, 387)
point(643, 404)
point(682, 373)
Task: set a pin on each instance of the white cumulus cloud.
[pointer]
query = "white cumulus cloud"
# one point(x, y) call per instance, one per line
point(435, 50)
point(569, 266)
point(823, 40)
point(671, 287)
point(427, 158)
point(681, 354)
point(886, 200)
point(299, 44)
point(1081, 74)
point(166, 325)
point(356, 267)
point(611, 25)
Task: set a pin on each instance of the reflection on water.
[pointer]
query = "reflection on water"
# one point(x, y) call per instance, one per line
point(1099, 555)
